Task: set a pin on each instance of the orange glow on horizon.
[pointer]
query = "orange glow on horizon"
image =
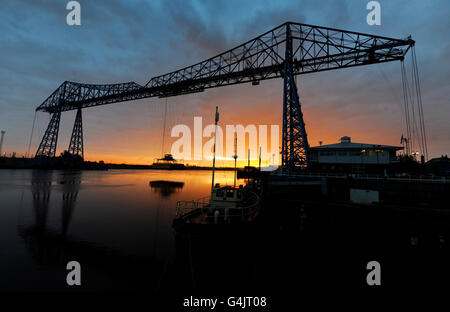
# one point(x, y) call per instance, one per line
point(138, 140)
point(140, 154)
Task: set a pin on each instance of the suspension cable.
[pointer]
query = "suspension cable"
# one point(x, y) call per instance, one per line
point(412, 100)
point(31, 135)
point(409, 141)
point(419, 103)
point(412, 96)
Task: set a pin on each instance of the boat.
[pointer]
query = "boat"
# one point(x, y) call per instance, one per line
point(248, 172)
point(167, 163)
point(226, 206)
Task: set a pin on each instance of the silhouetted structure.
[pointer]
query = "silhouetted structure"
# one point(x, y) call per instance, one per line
point(2, 135)
point(286, 51)
point(347, 156)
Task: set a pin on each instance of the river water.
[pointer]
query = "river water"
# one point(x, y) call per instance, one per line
point(113, 222)
point(118, 227)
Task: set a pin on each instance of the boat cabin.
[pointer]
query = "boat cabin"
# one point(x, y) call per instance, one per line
point(226, 196)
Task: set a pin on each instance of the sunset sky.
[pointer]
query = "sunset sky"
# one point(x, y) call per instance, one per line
point(122, 41)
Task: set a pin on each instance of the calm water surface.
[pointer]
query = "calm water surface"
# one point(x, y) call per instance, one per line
point(113, 222)
point(119, 228)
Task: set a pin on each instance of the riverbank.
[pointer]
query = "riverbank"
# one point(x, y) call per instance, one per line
point(57, 163)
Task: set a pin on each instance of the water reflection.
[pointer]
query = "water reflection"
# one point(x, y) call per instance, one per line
point(46, 245)
point(166, 188)
point(41, 183)
point(71, 185)
point(119, 228)
point(115, 223)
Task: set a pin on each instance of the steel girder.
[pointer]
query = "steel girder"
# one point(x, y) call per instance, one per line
point(307, 49)
point(315, 49)
point(47, 148)
point(76, 140)
point(71, 95)
point(295, 147)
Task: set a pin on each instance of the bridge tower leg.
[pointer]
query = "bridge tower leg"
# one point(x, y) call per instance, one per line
point(295, 147)
point(47, 147)
point(76, 140)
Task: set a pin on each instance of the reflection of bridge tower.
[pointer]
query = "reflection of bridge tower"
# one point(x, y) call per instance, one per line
point(41, 184)
point(46, 245)
point(70, 192)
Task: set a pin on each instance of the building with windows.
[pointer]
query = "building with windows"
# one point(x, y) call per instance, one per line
point(348, 156)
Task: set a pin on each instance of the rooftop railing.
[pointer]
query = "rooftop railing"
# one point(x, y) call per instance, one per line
point(357, 176)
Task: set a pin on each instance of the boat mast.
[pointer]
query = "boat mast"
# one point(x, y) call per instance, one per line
point(260, 158)
point(235, 158)
point(214, 154)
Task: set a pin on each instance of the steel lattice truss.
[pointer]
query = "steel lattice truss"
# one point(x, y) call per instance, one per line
point(286, 51)
point(48, 144)
point(295, 147)
point(73, 95)
point(76, 140)
point(314, 49)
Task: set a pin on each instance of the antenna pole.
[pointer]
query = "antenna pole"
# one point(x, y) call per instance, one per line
point(214, 154)
point(235, 158)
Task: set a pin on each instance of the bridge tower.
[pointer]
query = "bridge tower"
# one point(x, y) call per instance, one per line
point(47, 147)
point(295, 147)
point(76, 140)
